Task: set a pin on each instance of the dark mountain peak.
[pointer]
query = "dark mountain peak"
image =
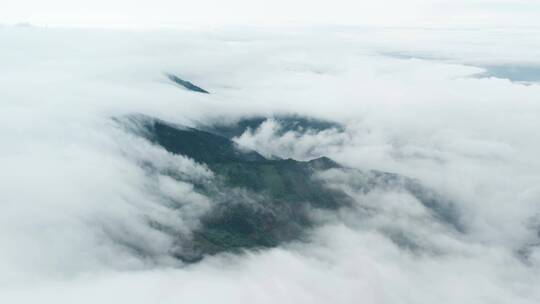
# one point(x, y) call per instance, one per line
point(186, 84)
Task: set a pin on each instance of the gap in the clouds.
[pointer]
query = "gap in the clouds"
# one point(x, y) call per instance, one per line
point(258, 202)
point(520, 73)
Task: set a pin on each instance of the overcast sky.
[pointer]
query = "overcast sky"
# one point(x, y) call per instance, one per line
point(174, 13)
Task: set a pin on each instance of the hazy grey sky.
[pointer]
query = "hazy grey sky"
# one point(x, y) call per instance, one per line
point(156, 13)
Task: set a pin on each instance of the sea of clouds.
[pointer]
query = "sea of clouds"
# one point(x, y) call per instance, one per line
point(75, 202)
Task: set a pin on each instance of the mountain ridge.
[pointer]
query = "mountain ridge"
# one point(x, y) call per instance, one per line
point(260, 202)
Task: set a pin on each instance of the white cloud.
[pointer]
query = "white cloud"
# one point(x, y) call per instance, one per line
point(75, 202)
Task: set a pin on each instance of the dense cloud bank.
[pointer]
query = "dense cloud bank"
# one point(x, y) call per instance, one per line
point(79, 203)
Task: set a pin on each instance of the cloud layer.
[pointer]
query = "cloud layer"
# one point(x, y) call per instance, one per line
point(77, 203)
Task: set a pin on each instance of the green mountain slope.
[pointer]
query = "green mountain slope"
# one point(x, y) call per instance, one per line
point(259, 202)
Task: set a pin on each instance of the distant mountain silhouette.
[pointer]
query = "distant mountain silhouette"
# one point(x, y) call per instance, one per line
point(186, 84)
